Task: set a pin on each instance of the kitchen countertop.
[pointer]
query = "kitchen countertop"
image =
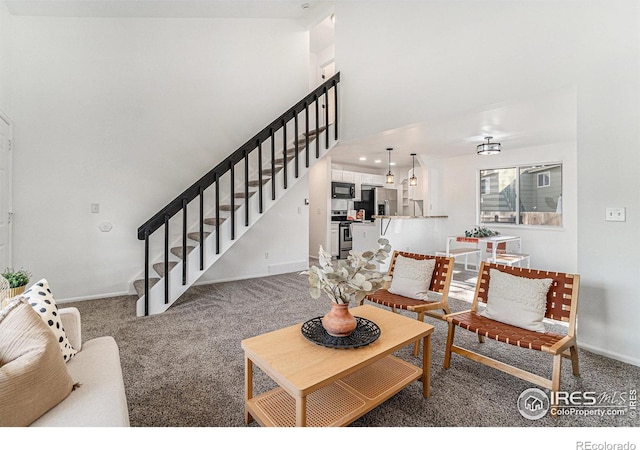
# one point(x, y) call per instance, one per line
point(410, 217)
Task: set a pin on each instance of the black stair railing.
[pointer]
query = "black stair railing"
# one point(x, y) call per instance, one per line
point(213, 177)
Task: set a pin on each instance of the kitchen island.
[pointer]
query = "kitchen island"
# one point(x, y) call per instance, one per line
point(417, 234)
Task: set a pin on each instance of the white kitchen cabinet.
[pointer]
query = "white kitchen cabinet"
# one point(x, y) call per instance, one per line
point(379, 180)
point(335, 231)
point(336, 175)
point(357, 180)
point(347, 176)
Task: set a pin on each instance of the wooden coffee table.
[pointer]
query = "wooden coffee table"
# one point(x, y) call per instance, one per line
point(321, 386)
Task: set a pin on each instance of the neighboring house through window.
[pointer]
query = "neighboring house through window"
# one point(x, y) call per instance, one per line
point(524, 195)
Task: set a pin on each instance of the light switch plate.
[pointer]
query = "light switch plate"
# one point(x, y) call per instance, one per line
point(616, 214)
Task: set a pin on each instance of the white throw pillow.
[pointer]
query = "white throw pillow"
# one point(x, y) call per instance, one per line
point(518, 301)
point(412, 277)
point(41, 299)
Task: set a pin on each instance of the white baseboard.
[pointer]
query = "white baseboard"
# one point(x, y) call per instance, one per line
point(93, 297)
point(276, 269)
point(609, 354)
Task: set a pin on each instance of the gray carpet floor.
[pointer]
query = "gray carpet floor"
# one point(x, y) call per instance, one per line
point(185, 368)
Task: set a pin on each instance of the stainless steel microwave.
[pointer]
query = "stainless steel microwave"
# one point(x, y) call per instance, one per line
point(343, 190)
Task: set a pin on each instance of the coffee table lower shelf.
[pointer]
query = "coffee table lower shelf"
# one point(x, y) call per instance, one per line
point(339, 403)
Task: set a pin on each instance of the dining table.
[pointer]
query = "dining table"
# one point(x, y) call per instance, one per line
point(495, 242)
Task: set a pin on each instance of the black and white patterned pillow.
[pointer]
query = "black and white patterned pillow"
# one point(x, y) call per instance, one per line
point(41, 299)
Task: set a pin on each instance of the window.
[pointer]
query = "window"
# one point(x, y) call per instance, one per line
point(544, 179)
point(485, 186)
point(526, 195)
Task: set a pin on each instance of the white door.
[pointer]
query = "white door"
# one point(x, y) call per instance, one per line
point(5, 191)
point(327, 72)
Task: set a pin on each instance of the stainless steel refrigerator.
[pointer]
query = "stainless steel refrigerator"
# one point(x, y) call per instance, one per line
point(378, 201)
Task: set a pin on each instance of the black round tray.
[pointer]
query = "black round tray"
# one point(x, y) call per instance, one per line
point(365, 333)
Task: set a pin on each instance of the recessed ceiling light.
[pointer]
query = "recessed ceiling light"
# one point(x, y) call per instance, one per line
point(392, 164)
point(377, 161)
point(363, 158)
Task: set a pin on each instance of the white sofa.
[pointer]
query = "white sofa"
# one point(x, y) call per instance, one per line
point(100, 401)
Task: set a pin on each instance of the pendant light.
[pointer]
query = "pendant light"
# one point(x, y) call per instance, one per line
point(413, 181)
point(389, 174)
point(488, 148)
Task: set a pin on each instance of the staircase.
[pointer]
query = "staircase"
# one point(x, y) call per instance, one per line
point(204, 221)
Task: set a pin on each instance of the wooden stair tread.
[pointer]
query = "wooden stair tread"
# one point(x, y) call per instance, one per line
point(138, 285)
point(195, 235)
point(213, 221)
point(278, 168)
point(178, 250)
point(242, 195)
point(159, 267)
point(228, 207)
point(254, 183)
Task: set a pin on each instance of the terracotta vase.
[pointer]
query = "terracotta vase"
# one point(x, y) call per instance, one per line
point(338, 321)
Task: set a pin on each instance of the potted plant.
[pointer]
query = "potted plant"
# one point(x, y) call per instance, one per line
point(351, 280)
point(479, 232)
point(18, 280)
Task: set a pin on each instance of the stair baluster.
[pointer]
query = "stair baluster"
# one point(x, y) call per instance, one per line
point(233, 199)
point(166, 259)
point(296, 146)
point(335, 110)
point(217, 217)
point(273, 164)
point(163, 217)
point(184, 241)
point(326, 118)
point(315, 99)
point(146, 272)
point(246, 188)
point(260, 201)
point(306, 133)
point(284, 150)
point(201, 228)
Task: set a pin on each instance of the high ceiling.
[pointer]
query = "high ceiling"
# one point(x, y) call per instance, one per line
point(546, 119)
point(304, 10)
point(521, 124)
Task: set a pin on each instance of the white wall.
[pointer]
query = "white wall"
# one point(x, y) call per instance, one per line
point(5, 63)
point(427, 57)
point(283, 233)
point(319, 206)
point(551, 248)
point(127, 113)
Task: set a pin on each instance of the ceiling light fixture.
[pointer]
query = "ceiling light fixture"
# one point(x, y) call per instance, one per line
point(363, 158)
point(389, 175)
point(488, 148)
point(413, 181)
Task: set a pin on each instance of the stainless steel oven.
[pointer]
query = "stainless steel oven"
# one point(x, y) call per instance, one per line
point(345, 243)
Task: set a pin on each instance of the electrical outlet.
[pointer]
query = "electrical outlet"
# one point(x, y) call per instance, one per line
point(266, 255)
point(95, 208)
point(299, 210)
point(616, 214)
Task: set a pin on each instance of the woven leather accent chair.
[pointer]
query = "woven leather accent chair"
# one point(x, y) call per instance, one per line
point(562, 305)
point(440, 282)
